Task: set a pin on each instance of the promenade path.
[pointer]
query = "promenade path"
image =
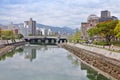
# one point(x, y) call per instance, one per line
point(105, 52)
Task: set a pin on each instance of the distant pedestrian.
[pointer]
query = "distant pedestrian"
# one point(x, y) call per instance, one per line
point(103, 46)
point(111, 46)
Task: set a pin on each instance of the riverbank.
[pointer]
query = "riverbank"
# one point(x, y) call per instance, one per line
point(104, 63)
point(9, 47)
point(99, 50)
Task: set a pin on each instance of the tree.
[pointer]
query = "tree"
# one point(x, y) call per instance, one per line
point(104, 29)
point(30, 35)
point(93, 31)
point(75, 37)
point(117, 30)
point(19, 36)
point(7, 34)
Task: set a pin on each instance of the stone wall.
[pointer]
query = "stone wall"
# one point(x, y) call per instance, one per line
point(108, 65)
point(9, 47)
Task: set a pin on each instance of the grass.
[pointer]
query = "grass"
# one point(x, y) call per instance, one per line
point(103, 43)
point(106, 44)
point(116, 43)
point(100, 43)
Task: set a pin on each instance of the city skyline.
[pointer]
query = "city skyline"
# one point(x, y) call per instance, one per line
point(54, 12)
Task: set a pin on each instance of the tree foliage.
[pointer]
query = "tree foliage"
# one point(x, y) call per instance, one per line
point(75, 37)
point(93, 31)
point(7, 34)
point(19, 36)
point(117, 30)
point(104, 29)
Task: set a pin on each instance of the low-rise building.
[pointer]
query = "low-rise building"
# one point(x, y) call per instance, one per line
point(92, 20)
point(44, 31)
point(84, 26)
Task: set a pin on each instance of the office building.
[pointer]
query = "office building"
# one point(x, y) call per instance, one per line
point(31, 25)
point(106, 16)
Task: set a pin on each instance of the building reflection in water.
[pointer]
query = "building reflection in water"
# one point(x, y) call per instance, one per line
point(30, 51)
point(91, 73)
point(31, 55)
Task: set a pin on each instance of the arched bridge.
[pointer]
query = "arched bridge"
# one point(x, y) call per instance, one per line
point(45, 40)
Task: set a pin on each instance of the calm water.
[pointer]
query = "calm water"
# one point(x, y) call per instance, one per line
point(44, 63)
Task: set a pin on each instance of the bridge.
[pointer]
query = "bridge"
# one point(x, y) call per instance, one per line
point(45, 40)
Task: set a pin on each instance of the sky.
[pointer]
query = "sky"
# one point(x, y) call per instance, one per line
point(60, 13)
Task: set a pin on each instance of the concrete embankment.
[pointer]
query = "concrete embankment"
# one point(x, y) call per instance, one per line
point(9, 47)
point(106, 64)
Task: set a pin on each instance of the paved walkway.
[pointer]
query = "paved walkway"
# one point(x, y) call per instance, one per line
point(107, 53)
point(112, 47)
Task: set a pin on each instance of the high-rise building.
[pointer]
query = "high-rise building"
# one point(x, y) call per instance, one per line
point(31, 25)
point(105, 14)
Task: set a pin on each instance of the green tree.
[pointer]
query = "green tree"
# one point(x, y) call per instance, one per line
point(7, 34)
point(75, 37)
point(93, 31)
point(30, 35)
point(19, 36)
point(104, 29)
point(117, 30)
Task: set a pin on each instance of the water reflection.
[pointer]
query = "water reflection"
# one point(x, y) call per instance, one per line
point(31, 55)
point(11, 53)
point(91, 73)
point(44, 63)
point(30, 51)
point(74, 61)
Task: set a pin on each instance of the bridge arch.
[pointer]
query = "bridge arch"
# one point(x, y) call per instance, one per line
point(46, 40)
point(62, 41)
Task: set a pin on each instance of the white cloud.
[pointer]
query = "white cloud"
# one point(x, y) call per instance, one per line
point(57, 12)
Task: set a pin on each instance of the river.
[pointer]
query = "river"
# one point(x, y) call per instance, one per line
point(35, 62)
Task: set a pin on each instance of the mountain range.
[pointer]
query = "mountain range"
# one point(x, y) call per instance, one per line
point(66, 30)
point(57, 29)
